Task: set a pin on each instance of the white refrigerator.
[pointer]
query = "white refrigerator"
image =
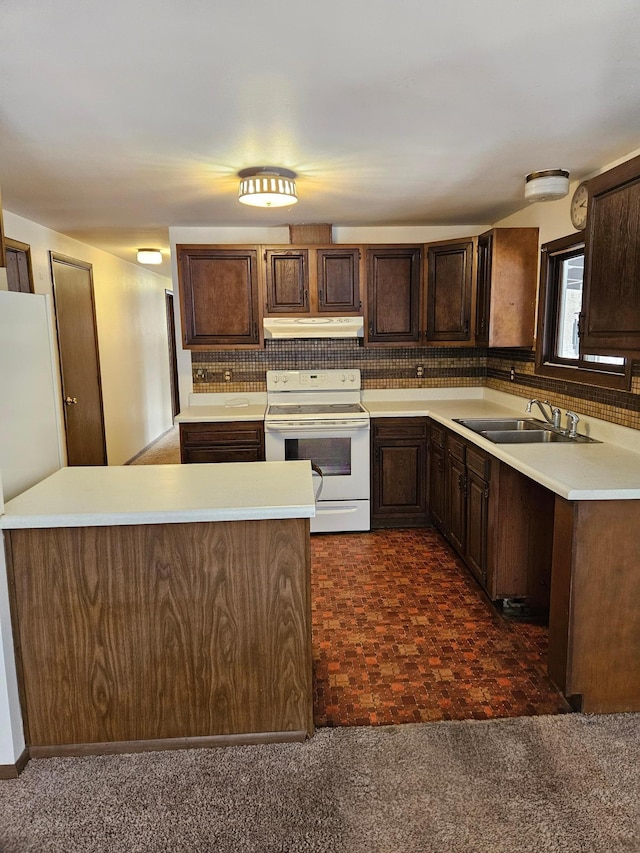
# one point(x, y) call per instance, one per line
point(30, 450)
point(30, 440)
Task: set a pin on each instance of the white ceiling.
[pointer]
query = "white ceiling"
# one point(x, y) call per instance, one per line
point(120, 119)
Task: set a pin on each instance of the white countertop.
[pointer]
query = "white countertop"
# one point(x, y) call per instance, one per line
point(159, 494)
point(221, 414)
point(606, 471)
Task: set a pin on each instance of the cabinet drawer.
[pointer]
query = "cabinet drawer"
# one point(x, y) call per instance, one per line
point(220, 453)
point(456, 447)
point(479, 462)
point(238, 432)
point(385, 428)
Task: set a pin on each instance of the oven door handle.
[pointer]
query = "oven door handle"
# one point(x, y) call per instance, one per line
point(316, 469)
point(314, 426)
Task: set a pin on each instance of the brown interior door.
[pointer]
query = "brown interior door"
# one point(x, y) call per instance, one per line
point(173, 356)
point(79, 363)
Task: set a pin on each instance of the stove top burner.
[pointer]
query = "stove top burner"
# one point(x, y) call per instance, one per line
point(316, 409)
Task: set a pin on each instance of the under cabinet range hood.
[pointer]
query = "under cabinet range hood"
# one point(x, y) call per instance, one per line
point(313, 327)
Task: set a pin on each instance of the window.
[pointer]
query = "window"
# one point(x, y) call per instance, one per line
point(558, 349)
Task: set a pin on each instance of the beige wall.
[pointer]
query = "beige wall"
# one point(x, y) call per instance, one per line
point(132, 335)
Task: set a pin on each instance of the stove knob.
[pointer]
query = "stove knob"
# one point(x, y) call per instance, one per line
point(342, 377)
point(276, 379)
point(284, 378)
point(352, 378)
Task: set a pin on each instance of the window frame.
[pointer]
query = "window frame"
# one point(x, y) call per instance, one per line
point(551, 257)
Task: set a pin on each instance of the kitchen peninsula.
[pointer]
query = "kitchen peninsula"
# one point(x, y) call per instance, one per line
point(162, 606)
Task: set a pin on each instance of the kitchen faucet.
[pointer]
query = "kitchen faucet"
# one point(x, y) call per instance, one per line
point(554, 420)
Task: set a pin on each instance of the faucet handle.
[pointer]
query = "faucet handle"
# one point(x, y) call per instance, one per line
point(572, 424)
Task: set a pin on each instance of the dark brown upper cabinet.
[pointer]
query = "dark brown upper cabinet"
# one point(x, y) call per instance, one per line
point(2, 257)
point(506, 282)
point(219, 296)
point(611, 295)
point(19, 271)
point(338, 282)
point(287, 281)
point(310, 280)
point(449, 292)
point(394, 294)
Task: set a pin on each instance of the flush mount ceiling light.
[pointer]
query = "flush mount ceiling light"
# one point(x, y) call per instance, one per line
point(149, 256)
point(546, 185)
point(267, 186)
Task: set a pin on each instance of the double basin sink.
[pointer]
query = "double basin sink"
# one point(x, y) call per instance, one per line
point(520, 431)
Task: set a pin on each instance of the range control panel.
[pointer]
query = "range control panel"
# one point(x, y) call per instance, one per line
point(311, 380)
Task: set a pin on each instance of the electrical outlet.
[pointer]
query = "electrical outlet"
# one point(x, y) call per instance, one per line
point(419, 371)
point(227, 376)
point(512, 374)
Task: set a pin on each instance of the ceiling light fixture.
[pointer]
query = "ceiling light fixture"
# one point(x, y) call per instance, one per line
point(149, 256)
point(267, 186)
point(546, 185)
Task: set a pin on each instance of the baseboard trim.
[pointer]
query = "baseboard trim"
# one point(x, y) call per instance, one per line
point(162, 744)
point(12, 771)
point(149, 446)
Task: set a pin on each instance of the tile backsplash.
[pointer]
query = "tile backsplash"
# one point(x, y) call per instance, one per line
point(399, 367)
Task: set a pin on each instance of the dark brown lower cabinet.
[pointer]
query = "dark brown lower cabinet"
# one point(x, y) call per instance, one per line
point(239, 441)
point(398, 472)
point(499, 521)
point(594, 619)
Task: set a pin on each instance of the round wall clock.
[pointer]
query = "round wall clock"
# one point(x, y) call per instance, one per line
point(579, 207)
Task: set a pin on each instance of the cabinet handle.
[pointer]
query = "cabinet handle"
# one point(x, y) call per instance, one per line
point(320, 294)
point(462, 484)
point(580, 324)
point(370, 327)
point(465, 328)
point(255, 328)
point(306, 297)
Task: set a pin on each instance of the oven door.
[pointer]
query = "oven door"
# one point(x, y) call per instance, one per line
point(340, 451)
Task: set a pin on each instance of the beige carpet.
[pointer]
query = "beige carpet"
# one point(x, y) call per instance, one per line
point(164, 450)
point(568, 784)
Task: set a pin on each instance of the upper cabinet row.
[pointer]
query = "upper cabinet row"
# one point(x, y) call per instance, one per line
point(479, 290)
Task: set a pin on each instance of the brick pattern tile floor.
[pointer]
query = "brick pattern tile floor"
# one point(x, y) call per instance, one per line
point(402, 633)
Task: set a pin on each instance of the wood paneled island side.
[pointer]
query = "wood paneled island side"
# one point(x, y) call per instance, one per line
point(136, 628)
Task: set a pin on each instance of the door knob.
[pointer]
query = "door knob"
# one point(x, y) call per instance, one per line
point(70, 401)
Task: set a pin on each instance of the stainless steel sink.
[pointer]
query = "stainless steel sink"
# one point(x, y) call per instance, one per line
point(482, 424)
point(520, 431)
point(528, 436)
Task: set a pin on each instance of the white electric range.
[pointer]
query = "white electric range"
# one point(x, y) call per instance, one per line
point(317, 415)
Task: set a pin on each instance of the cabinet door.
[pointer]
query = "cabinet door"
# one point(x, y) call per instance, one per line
point(456, 507)
point(449, 279)
point(436, 483)
point(393, 294)
point(399, 472)
point(287, 277)
point(507, 281)
point(611, 302)
point(483, 289)
point(476, 528)
point(338, 280)
point(218, 296)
